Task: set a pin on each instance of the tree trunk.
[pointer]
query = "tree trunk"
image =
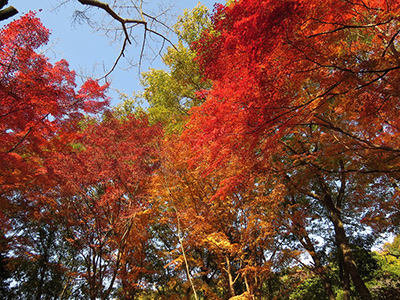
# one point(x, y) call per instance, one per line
point(346, 283)
point(341, 240)
point(343, 275)
point(230, 278)
point(349, 264)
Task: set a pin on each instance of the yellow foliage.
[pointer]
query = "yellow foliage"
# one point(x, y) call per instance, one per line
point(244, 296)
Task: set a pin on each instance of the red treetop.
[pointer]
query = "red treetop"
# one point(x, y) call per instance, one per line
point(36, 100)
point(276, 65)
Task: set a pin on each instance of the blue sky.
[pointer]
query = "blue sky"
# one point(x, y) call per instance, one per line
point(88, 51)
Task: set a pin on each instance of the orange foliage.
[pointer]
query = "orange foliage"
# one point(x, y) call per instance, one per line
point(230, 231)
point(101, 191)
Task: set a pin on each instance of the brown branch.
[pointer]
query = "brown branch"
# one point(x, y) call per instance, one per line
point(142, 50)
point(27, 133)
point(124, 21)
point(163, 37)
point(8, 13)
point(343, 27)
point(121, 54)
point(329, 125)
point(390, 42)
point(21, 140)
point(110, 11)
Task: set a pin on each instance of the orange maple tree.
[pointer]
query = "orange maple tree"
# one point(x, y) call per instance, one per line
point(100, 195)
point(221, 237)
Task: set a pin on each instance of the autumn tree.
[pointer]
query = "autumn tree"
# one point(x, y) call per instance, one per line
point(37, 98)
point(100, 196)
point(225, 243)
point(40, 109)
point(316, 84)
point(90, 237)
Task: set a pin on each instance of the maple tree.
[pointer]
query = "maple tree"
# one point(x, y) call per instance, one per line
point(225, 239)
point(40, 110)
point(316, 84)
point(37, 98)
point(101, 197)
point(86, 232)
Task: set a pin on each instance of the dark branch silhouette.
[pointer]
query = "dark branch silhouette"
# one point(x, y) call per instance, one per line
point(7, 12)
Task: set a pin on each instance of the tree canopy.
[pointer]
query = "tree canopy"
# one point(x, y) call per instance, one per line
point(262, 163)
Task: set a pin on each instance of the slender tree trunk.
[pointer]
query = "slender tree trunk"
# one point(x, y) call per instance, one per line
point(270, 289)
point(38, 295)
point(346, 283)
point(43, 261)
point(180, 238)
point(185, 260)
point(247, 285)
point(63, 292)
point(230, 278)
point(349, 264)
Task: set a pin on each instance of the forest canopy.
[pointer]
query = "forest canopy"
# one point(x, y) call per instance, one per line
point(261, 163)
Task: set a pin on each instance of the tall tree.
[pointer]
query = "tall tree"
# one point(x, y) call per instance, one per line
point(323, 77)
point(222, 237)
point(100, 193)
point(40, 110)
point(37, 98)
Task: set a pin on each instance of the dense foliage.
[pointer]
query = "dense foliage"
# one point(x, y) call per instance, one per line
point(262, 164)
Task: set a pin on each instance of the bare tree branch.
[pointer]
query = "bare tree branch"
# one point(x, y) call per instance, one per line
point(111, 12)
point(121, 54)
point(135, 21)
